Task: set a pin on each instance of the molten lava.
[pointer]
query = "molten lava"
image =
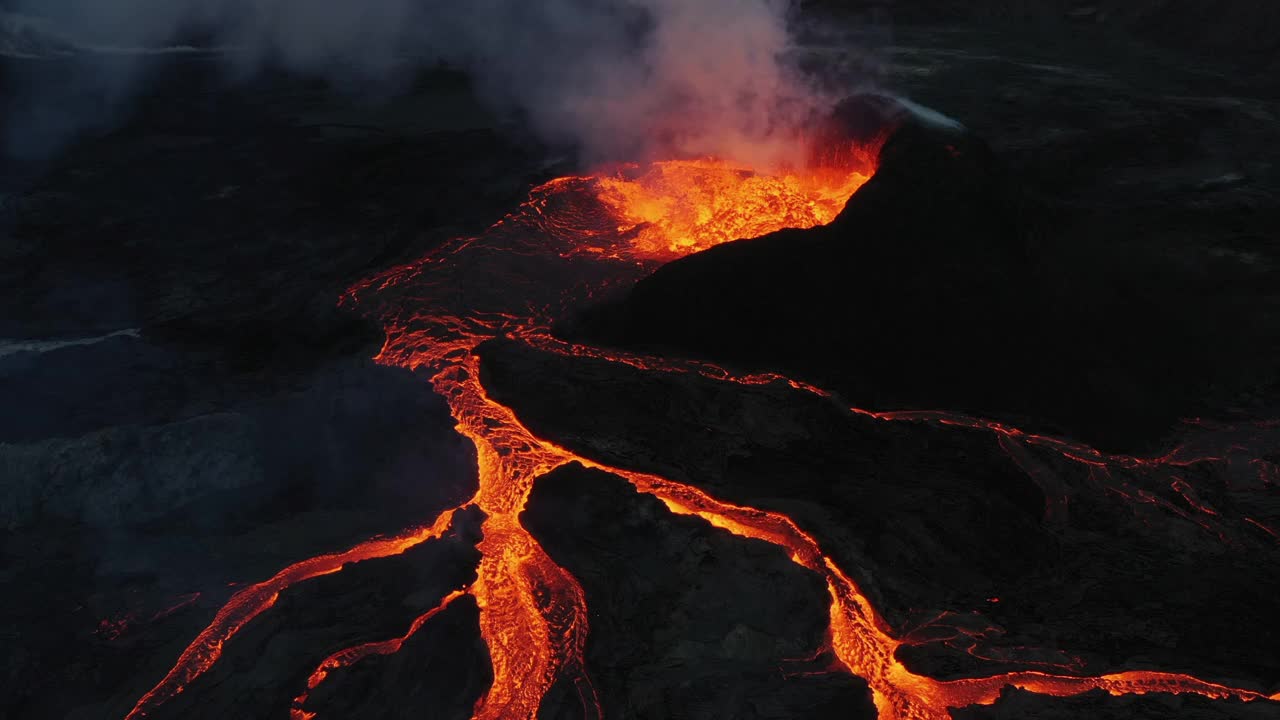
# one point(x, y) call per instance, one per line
point(574, 235)
point(252, 601)
point(682, 206)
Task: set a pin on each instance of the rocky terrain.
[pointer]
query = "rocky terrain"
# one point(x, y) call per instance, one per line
point(714, 656)
point(187, 410)
point(949, 532)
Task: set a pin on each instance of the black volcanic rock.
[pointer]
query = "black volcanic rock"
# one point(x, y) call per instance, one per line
point(686, 621)
point(267, 664)
point(439, 672)
point(234, 217)
point(62, 665)
point(908, 296)
point(945, 532)
point(933, 289)
point(124, 432)
point(185, 404)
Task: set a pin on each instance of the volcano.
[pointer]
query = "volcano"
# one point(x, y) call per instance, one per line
point(735, 301)
point(860, 436)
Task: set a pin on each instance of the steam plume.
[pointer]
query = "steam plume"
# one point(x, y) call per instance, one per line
point(620, 79)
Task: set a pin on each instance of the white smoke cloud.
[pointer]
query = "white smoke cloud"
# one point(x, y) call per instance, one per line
point(621, 79)
point(649, 77)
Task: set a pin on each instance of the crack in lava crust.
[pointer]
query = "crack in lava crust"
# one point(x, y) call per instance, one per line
point(349, 656)
point(567, 241)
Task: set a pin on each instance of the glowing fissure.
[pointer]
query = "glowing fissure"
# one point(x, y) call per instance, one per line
point(113, 628)
point(533, 614)
point(352, 655)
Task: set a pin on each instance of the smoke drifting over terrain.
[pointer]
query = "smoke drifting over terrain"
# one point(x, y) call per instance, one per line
point(620, 79)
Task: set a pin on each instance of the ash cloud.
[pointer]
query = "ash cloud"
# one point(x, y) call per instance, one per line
point(619, 79)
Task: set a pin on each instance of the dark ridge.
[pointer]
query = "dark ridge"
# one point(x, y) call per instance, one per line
point(932, 290)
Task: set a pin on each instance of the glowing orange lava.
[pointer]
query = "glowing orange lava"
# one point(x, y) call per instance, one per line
point(682, 206)
point(252, 601)
point(572, 235)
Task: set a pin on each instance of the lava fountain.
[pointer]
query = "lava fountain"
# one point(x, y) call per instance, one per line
point(572, 237)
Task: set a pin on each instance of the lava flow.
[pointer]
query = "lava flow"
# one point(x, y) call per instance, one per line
point(352, 655)
point(571, 237)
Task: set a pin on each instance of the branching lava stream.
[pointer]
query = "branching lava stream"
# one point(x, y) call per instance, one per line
point(574, 236)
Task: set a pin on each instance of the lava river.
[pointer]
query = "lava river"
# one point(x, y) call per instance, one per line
point(573, 238)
